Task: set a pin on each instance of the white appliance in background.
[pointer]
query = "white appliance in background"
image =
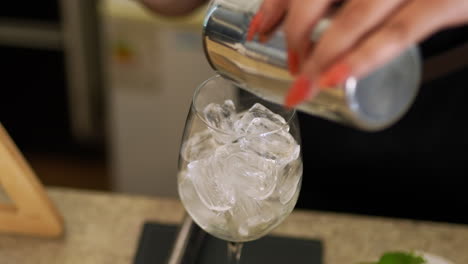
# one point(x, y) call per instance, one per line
point(152, 67)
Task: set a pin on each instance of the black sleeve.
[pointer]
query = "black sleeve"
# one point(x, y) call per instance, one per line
point(444, 41)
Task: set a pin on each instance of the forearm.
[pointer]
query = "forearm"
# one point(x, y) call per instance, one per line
point(172, 7)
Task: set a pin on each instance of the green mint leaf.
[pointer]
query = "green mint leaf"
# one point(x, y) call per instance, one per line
point(401, 258)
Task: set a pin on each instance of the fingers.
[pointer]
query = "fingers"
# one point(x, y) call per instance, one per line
point(273, 12)
point(351, 23)
point(407, 25)
point(459, 14)
point(254, 26)
point(266, 19)
point(411, 24)
point(301, 18)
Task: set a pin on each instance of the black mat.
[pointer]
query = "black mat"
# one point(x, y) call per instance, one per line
point(156, 242)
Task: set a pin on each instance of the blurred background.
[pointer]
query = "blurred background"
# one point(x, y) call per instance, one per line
point(95, 94)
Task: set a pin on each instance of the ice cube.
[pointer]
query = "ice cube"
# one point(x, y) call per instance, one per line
point(278, 146)
point(220, 116)
point(195, 207)
point(199, 146)
point(251, 217)
point(260, 126)
point(221, 120)
point(251, 174)
point(208, 178)
point(288, 181)
point(223, 152)
point(224, 138)
point(257, 111)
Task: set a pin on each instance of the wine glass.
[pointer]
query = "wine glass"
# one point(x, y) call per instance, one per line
point(240, 165)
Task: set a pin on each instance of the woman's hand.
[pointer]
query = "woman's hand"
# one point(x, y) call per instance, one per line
point(364, 35)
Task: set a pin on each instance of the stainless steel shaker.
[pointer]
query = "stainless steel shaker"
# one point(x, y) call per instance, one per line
point(371, 104)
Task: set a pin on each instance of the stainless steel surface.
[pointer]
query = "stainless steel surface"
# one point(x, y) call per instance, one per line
point(373, 103)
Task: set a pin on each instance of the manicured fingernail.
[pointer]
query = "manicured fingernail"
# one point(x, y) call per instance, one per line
point(335, 75)
point(254, 26)
point(293, 62)
point(298, 92)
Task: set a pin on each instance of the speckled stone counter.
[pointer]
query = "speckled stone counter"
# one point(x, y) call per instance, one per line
point(104, 228)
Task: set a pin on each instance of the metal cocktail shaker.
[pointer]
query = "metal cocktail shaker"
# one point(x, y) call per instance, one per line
point(373, 103)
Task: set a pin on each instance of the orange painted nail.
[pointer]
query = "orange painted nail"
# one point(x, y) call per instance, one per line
point(335, 75)
point(293, 62)
point(254, 26)
point(298, 92)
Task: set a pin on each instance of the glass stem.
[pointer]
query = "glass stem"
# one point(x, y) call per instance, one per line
point(234, 250)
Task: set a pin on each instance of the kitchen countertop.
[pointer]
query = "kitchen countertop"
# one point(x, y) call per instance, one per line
point(103, 227)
